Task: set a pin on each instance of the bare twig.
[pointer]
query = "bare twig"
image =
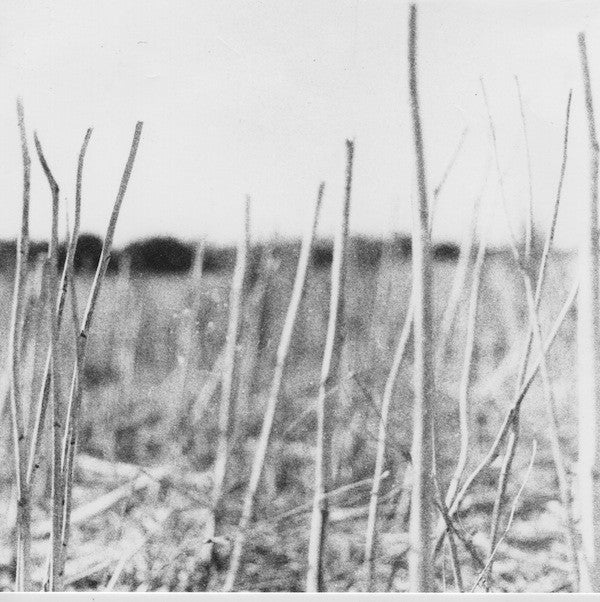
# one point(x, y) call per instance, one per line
point(282, 352)
point(70, 439)
point(533, 302)
point(33, 463)
point(588, 338)
point(465, 380)
point(55, 583)
point(420, 569)
point(23, 578)
point(329, 372)
point(223, 437)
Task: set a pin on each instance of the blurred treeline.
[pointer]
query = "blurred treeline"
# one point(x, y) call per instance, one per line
point(168, 255)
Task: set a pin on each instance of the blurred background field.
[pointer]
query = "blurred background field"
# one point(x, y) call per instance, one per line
point(149, 428)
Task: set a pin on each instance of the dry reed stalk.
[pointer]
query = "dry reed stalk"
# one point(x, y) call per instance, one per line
point(330, 368)
point(381, 446)
point(379, 318)
point(529, 232)
point(465, 380)
point(533, 302)
point(561, 473)
point(23, 576)
point(405, 333)
point(74, 403)
point(227, 374)
point(282, 352)
point(588, 336)
point(420, 569)
point(55, 583)
point(67, 277)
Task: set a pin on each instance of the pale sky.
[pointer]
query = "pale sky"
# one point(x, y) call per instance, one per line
point(252, 97)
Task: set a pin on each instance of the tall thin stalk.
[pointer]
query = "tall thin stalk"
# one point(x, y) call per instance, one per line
point(282, 352)
point(388, 392)
point(529, 232)
point(34, 448)
point(23, 577)
point(465, 380)
point(227, 374)
point(420, 570)
point(533, 303)
point(588, 347)
point(458, 280)
point(55, 583)
point(330, 369)
point(74, 403)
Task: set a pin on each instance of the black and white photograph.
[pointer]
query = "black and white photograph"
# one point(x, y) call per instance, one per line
point(300, 296)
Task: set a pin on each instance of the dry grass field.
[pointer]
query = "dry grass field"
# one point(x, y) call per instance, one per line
point(149, 430)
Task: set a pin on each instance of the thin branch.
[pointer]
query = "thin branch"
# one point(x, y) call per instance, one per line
point(330, 368)
point(67, 276)
point(533, 303)
point(23, 578)
point(282, 353)
point(55, 583)
point(465, 381)
point(70, 439)
point(588, 337)
point(231, 343)
point(420, 569)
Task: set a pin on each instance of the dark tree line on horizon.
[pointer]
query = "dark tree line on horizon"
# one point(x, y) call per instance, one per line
point(169, 255)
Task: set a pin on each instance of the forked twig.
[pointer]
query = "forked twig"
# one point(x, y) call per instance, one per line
point(74, 403)
point(54, 583)
point(66, 279)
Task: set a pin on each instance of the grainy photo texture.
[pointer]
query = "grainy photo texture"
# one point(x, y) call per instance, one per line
point(299, 296)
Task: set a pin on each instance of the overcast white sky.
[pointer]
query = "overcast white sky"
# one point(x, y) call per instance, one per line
point(257, 97)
